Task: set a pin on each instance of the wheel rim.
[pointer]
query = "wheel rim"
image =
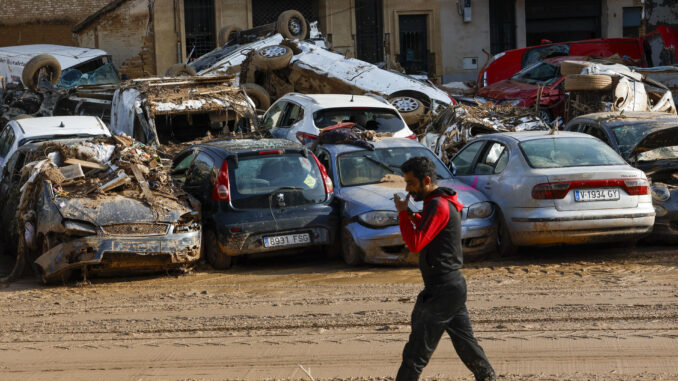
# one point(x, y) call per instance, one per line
point(405, 104)
point(294, 26)
point(273, 51)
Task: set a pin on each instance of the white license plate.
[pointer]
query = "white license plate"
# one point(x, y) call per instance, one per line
point(601, 194)
point(286, 240)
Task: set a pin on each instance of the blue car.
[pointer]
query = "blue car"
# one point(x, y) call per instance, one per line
point(364, 183)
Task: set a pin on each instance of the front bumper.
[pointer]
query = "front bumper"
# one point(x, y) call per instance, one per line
point(547, 226)
point(386, 245)
point(122, 253)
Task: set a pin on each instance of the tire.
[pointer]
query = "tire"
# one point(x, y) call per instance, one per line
point(350, 252)
point(261, 98)
point(225, 34)
point(411, 109)
point(215, 257)
point(505, 247)
point(31, 73)
point(588, 82)
point(19, 263)
point(180, 70)
point(273, 57)
point(572, 67)
point(292, 24)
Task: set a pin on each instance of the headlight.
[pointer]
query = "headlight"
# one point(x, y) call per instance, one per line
point(660, 193)
point(480, 210)
point(79, 228)
point(379, 218)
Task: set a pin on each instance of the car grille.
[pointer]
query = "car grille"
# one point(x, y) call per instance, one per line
point(135, 229)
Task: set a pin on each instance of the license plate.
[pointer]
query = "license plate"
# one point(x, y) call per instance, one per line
point(602, 194)
point(286, 240)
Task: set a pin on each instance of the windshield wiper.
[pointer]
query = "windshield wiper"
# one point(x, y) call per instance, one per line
point(379, 163)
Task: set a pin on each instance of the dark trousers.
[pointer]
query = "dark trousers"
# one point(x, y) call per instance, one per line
point(437, 310)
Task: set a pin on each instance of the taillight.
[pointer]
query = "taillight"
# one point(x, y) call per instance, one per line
point(306, 138)
point(549, 191)
point(637, 187)
point(329, 187)
point(221, 190)
point(413, 137)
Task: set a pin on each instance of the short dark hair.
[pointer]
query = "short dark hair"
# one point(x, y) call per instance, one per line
point(421, 167)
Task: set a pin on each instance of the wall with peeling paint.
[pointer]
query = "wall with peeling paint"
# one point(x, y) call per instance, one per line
point(661, 12)
point(464, 39)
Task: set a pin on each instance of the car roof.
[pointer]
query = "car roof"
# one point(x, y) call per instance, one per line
point(378, 144)
point(67, 56)
point(533, 135)
point(613, 119)
point(246, 145)
point(338, 100)
point(61, 125)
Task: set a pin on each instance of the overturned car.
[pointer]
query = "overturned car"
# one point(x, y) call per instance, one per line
point(100, 206)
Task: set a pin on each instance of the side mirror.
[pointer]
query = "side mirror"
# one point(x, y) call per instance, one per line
point(453, 168)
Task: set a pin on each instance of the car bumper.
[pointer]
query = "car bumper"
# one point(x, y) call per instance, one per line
point(386, 245)
point(546, 226)
point(106, 254)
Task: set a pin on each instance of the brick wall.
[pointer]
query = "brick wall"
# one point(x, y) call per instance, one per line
point(48, 11)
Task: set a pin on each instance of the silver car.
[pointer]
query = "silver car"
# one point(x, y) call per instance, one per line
point(562, 188)
point(364, 184)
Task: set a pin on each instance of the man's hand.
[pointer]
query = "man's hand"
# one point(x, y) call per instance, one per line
point(400, 204)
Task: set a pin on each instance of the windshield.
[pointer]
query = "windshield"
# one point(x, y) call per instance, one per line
point(259, 181)
point(370, 167)
point(103, 74)
point(209, 59)
point(37, 139)
point(542, 73)
point(569, 152)
point(376, 119)
point(628, 137)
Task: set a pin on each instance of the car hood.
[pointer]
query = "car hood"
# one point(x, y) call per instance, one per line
point(364, 198)
point(508, 89)
point(660, 136)
point(118, 210)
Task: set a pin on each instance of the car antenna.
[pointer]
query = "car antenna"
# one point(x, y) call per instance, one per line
point(62, 125)
point(351, 96)
point(554, 130)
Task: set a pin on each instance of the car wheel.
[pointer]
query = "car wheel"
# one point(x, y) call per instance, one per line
point(410, 108)
point(505, 247)
point(587, 82)
point(292, 24)
point(350, 252)
point(259, 95)
point(180, 70)
point(46, 244)
point(215, 257)
point(226, 32)
point(273, 57)
point(33, 69)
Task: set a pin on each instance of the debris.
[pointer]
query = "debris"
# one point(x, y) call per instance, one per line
point(84, 164)
point(120, 180)
point(72, 171)
point(143, 183)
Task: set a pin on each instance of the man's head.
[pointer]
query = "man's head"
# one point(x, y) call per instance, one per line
point(420, 176)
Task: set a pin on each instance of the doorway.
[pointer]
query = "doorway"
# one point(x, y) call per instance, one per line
point(562, 20)
point(413, 43)
point(199, 24)
point(369, 15)
point(502, 25)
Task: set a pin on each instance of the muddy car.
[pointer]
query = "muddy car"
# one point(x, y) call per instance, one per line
point(365, 181)
point(648, 141)
point(259, 197)
point(95, 207)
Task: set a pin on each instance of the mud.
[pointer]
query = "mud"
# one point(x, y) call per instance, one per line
point(551, 314)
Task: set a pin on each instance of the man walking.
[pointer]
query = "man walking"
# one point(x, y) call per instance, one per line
point(441, 306)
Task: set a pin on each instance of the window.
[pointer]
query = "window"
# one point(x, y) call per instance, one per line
point(464, 159)
point(293, 114)
point(595, 131)
point(376, 119)
point(489, 164)
point(324, 159)
point(273, 115)
point(200, 171)
point(535, 55)
point(181, 165)
point(568, 152)
point(542, 73)
point(632, 21)
point(6, 141)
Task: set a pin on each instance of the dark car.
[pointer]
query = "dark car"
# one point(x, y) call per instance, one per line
point(649, 142)
point(258, 196)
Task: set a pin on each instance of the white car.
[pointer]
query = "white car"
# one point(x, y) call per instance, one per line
point(299, 117)
point(16, 133)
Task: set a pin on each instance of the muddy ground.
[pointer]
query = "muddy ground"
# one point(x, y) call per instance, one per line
point(554, 314)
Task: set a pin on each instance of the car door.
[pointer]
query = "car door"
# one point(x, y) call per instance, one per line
point(200, 176)
point(464, 161)
point(490, 164)
point(291, 122)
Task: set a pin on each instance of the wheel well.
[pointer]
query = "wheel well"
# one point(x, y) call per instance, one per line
point(423, 98)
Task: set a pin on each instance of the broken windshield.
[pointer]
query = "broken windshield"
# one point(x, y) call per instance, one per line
point(72, 77)
point(542, 73)
point(629, 136)
point(379, 120)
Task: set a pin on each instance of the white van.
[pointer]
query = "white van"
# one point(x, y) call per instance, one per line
point(66, 66)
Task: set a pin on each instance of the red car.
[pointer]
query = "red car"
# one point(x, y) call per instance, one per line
point(649, 50)
point(521, 90)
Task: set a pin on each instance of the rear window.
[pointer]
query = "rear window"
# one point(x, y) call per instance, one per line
point(258, 181)
point(376, 119)
point(568, 152)
point(542, 73)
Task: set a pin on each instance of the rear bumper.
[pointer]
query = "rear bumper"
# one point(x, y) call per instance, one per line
point(544, 226)
point(113, 254)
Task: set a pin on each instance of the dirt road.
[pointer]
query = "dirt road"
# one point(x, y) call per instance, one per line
point(597, 314)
